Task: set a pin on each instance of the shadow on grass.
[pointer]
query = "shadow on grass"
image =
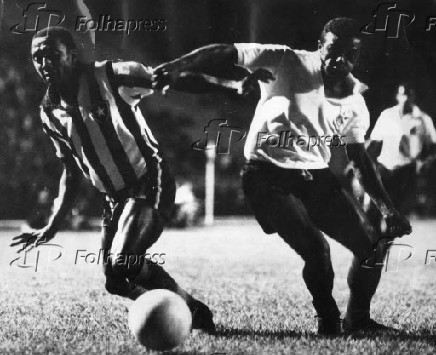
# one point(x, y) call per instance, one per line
point(277, 334)
point(391, 335)
point(396, 335)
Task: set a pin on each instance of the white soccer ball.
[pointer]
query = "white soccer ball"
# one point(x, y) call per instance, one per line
point(160, 319)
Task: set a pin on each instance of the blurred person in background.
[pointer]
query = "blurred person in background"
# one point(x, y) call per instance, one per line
point(186, 206)
point(403, 143)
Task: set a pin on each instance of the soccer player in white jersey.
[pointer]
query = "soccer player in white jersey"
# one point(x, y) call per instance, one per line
point(90, 112)
point(403, 139)
point(287, 179)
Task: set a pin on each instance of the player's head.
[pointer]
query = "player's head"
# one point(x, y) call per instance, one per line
point(54, 54)
point(405, 97)
point(339, 46)
point(405, 93)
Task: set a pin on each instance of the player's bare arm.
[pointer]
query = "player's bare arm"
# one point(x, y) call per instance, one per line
point(67, 192)
point(196, 82)
point(397, 223)
point(202, 58)
point(141, 80)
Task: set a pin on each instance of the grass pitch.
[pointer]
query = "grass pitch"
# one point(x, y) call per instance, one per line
point(251, 281)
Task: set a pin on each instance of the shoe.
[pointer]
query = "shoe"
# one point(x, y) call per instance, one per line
point(329, 326)
point(365, 324)
point(202, 318)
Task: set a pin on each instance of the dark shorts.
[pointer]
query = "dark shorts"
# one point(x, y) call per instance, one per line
point(400, 185)
point(263, 181)
point(160, 198)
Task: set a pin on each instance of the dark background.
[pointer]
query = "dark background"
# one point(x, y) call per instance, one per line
point(27, 162)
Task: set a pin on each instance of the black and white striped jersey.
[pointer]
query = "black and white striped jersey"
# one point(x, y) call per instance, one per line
point(105, 131)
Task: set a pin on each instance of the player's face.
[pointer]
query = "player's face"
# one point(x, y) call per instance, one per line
point(53, 61)
point(338, 56)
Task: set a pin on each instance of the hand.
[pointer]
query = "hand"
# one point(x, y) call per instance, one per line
point(32, 239)
point(249, 84)
point(163, 80)
point(398, 225)
point(423, 165)
point(165, 68)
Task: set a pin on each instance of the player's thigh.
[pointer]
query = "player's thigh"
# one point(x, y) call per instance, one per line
point(291, 220)
point(281, 212)
point(139, 226)
point(342, 218)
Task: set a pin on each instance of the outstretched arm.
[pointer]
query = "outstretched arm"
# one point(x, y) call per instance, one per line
point(202, 59)
point(201, 83)
point(62, 205)
point(397, 223)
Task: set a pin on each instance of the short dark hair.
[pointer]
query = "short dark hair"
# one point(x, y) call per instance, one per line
point(57, 33)
point(343, 27)
point(406, 88)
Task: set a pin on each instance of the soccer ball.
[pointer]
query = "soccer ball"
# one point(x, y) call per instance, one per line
point(160, 319)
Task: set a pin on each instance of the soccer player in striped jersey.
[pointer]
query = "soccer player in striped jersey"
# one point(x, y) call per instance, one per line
point(90, 112)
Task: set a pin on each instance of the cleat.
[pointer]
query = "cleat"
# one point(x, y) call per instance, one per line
point(329, 326)
point(202, 318)
point(366, 324)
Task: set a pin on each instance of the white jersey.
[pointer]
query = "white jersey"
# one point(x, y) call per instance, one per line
point(294, 124)
point(403, 137)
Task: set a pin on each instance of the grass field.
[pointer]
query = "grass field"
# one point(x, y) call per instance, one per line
point(251, 281)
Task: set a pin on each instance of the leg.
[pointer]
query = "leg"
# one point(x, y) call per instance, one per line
point(139, 226)
point(293, 224)
point(282, 212)
point(115, 284)
point(400, 186)
point(349, 226)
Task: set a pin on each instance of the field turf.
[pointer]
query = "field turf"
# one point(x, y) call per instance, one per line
point(251, 281)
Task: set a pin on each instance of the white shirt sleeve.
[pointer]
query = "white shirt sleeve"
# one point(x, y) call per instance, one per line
point(430, 131)
point(356, 116)
point(255, 55)
point(378, 132)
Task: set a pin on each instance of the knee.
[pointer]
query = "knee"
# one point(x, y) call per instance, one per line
point(137, 217)
point(318, 251)
point(373, 256)
point(127, 266)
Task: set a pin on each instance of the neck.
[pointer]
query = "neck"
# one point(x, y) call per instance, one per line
point(337, 88)
point(406, 108)
point(68, 88)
